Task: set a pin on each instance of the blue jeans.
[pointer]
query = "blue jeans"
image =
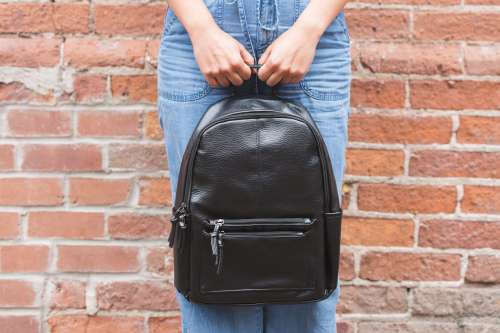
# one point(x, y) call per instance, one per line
point(183, 97)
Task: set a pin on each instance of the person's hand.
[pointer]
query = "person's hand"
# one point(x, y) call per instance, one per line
point(288, 58)
point(221, 58)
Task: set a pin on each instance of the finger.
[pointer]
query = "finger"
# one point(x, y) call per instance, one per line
point(223, 82)
point(263, 58)
point(247, 57)
point(235, 78)
point(243, 69)
point(212, 82)
point(274, 79)
point(266, 69)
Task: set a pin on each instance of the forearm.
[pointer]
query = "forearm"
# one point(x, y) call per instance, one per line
point(318, 15)
point(193, 14)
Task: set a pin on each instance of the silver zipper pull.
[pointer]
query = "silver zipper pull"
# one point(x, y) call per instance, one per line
point(216, 241)
point(215, 234)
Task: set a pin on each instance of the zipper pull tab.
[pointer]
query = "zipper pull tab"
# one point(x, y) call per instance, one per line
point(178, 221)
point(216, 242)
point(220, 253)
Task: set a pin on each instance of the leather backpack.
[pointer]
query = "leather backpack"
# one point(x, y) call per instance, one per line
point(256, 217)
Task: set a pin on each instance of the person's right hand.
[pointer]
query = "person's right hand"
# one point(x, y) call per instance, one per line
point(221, 58)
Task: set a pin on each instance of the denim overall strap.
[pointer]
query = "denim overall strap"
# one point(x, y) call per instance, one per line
point(255, 85)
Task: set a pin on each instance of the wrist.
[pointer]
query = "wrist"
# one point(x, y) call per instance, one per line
point(313, 29)
point(201, 25)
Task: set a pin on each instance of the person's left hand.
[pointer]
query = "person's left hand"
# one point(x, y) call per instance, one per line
point(288, 58)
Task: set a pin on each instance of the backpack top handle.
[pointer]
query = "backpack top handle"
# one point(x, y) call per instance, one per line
point(255, 86)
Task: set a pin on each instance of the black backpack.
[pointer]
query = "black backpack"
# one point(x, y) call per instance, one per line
point(257, 217)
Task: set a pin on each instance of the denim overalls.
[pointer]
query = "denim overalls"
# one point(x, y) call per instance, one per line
point(183, 97)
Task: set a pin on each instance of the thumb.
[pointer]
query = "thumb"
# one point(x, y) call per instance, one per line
point(265, 55)
point(247, 57)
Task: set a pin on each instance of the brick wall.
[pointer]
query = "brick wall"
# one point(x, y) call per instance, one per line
point(84, 191)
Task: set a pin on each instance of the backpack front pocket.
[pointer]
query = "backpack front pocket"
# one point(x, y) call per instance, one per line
point(259, 254)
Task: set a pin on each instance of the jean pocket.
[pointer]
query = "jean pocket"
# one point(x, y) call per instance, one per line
point(179, 76)
point(329, 74)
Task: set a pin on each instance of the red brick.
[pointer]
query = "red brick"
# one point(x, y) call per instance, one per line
point(135, 88)
point(158, 261)
point(62, 157)
point(133, 19)
point(109, 124)
point(85, 53)
point(145, 157)
point(399, 129)
point(137, 226)
point(99, 192)
point(16, 294)
point(375, 162)
point(66, 224)
point(164, 324)
point(346, 270)
point(380, 93)
point(24, 258)
point(9, 225)
point(455, 95)
point(456, 302)
point(153, 50)
point(19, 324)
point(483, 269)
point(407, 198)
point(372, 300)
point(377, 232)
point(68, 295)
point(456, 26)
point(7, 158)
point(48, 17)
point(90, 88)
point(481, 130)
point(109, 259)
point(481, 199)
point(95, 324)
point(459, 234)
point(482, 2)
point(29, 52)
point(378, 24)
point(413, 327)
point(346, 195)
point(482, 59)
point(152, 127)
point(39, 123)
point(18, 92)
point(155, 192)
point(143, 295)
point(345, 327)
point(30, 192)
point(410, 267)
point(442, 163)
point(400, 58)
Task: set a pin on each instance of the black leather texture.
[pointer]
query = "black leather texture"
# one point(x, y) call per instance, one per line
point(257, 217)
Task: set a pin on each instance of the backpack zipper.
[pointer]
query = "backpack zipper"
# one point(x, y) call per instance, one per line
point(178, 225)
point(217, 233)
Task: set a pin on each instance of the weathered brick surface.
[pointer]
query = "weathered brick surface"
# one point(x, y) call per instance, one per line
point(85, 193)
point(484, 269)
point(456, 302)
point(460, 234)
point(374, 300)
point(410, 266)
point(377, 232)
point(123, 296)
